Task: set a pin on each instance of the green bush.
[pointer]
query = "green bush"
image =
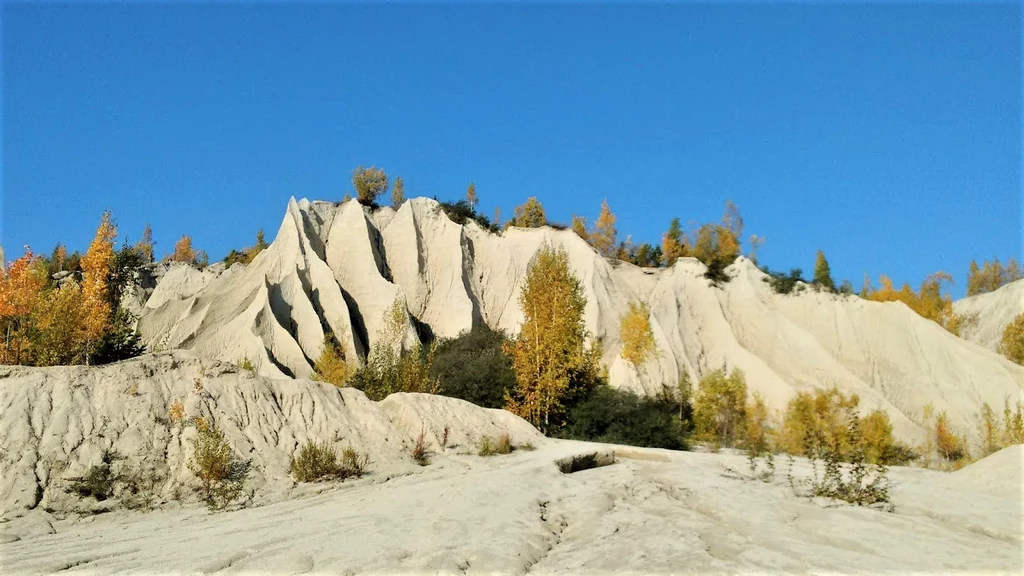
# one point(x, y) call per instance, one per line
point(616, 416)
point(221, 476)
point(490, 446)
point(785, 284)
point(462, 211)
point(473, 367)
point(320, 462)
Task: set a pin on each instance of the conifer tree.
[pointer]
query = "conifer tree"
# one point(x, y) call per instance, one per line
point(96, 310)
point(146, 244)
point(549, 355)
point(398, 193)
point(822, 273)
point(530, 214)
point(673, 243)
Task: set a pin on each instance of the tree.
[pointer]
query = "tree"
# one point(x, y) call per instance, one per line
point(369, 183)
point(398, 193)
point(579, 226)
point(822, 273)
point(974, 279)
point(1011, 344)
point(473, 367)
point(471, 195)
point(530, 214)
point(549, 355)
point(60, 257)
point(720, 410)
point(497, 216)
point(673, 243)
point(637, 336)
point(330, 366)
point(755, 243)
point(603, 235)
point(96, 306)
point(183, 251)
point(21, 287)
point(146, 244)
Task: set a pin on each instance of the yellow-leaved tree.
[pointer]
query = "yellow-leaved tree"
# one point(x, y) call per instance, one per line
point(929, 303)
point(579, 226)
point(674, 244)
point(720, 409)
point(145, 244)
point(21, 287)
point(549, 356)
point(471, 198)
point(331, 366)
point(637, 336)
point(96, 311)
point(603, 235)
point(529, 214)
point(369, 183)
point(1011, 344)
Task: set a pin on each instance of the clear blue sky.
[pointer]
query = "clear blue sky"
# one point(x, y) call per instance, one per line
point(888, 135)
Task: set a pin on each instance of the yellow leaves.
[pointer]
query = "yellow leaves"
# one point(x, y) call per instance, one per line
point(720, 409)
point(331, 367)
point(398, 193)
point(991, 276)
point(145, 245)
point(96, 310)
point(176, 413)
point(929, 303)
point(637, 336)
point(369, 183)
point(603, 235)
point(579, 226)
point(951, 447)
point(549, 351)
point(1011, 344)
point(530, 214)
point(471, 198)
point(183, 251)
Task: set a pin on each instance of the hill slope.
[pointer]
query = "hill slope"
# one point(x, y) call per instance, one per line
point(994, 310)
point(340, 267)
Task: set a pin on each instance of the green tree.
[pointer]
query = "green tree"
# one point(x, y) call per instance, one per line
point(673, 243)
point(822, 273)
point(549, 355)
point(720, 410)
point(1011, 344)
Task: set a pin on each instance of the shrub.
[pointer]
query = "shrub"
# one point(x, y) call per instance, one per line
point(176, 412)
point(529, 215)
point(951, 447)
point(369, 183)
point(636, 334)
point(419, 450)
point(221, 476)
point(781, 283)
point(320, 462)
point(473, 367)
point(720, 410)
point(98, 482)
point(462, 212)
point(330, 366)
point(613, 416)
point(1011, 344)
point(387, 369)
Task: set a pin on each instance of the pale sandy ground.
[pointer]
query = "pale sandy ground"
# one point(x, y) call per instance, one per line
point(518, 514)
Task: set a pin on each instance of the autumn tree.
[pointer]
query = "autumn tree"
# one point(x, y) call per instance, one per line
point(331, 366)
point(183, 251)
point(1011, 344)
point(973, 279)
point(471, 195)
point(636, 334)
point(755, 243)
point(549, 355)
point(929, 302)
point(497, 216)
point(398, 193)
point(146, 244)
point(673, 243)
point(21, 286)
point(579, 226)
point(59, 257)
point(96, 313)
point(370, 183)
point(602, 237)
point(822, 273)
point(991, 276)
point(530, 214)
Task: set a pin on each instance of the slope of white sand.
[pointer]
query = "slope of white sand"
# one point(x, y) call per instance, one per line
point(340, 268)
point(667, 513)
point(994, 311)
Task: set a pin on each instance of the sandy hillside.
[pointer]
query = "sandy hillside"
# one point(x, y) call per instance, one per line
point(994, 311)
point(339, 268)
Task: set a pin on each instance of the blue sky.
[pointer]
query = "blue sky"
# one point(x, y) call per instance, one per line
point(888, 135)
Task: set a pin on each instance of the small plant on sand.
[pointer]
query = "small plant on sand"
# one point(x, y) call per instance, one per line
point(419, 450)
point(98, 482)
point(176, 412)
point(247, 365)
point(320, 462)
point(221, 476)
point(444, 438)
point(489, 446)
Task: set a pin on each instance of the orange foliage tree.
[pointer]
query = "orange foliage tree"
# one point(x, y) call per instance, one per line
point(929, 303)
point(21, 287)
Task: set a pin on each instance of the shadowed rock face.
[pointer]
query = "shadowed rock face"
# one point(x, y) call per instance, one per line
point(340, 268)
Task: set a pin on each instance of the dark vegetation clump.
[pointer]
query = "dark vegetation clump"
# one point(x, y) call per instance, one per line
point(474, 368)
point(783, 283)
point(318, 462)
point(462, 211)
point(616, 416)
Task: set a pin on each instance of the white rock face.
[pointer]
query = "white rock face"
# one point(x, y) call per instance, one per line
point(994, 311)
point(56, 423)
point(652, 512)
point(341, 268)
